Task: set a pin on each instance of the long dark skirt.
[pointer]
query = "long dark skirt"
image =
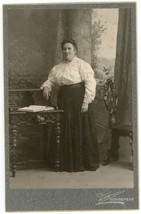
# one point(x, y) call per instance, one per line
point(79, 149)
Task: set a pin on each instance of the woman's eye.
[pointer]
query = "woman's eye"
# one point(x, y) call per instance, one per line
point(65, 49)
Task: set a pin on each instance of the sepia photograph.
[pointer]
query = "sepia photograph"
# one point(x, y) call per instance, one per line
point(70, 106)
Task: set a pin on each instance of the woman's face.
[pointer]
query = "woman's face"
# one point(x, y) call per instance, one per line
point(68, 52)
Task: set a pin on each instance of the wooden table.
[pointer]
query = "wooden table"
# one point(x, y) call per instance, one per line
point(17, 118)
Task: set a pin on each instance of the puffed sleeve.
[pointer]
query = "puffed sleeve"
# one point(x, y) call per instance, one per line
point(87, 75)
point(50, 81)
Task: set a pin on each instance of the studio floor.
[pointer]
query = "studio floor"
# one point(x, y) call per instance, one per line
point(115, 175)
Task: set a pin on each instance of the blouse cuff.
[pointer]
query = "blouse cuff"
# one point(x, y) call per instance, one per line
point(85, 105)
point(88, 98)
point(47, 84)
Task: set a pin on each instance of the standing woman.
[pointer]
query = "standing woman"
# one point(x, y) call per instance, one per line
point(78, 86)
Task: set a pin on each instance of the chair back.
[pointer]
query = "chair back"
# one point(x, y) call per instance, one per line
point(111, 100)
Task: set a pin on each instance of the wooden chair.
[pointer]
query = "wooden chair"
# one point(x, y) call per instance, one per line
point(117, 130)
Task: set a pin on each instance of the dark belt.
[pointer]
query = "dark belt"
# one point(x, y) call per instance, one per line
point(77, 85)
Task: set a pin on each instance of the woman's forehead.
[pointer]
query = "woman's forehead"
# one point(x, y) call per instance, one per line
point(68, 45)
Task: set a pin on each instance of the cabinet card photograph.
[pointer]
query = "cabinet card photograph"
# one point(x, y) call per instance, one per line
point(70, 106)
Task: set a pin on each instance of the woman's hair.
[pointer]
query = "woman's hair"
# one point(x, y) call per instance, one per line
point(69, 41)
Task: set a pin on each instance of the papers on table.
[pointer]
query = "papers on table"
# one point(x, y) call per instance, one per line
point(36, 108)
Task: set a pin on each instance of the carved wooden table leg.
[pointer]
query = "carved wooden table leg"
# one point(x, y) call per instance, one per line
point(131, 144)
point(13, 143)
point(57, 132)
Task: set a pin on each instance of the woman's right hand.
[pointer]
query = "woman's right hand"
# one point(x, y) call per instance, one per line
point(46, 93)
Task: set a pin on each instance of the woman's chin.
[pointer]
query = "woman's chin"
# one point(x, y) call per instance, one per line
point(68, 59)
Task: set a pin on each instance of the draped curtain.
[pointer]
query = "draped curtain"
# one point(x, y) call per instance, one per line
point(123, 68)
point(122, 75)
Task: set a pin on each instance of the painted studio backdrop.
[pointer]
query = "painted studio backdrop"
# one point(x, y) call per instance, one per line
point(104, 40)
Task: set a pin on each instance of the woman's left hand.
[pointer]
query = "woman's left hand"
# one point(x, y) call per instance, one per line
point(84, 107)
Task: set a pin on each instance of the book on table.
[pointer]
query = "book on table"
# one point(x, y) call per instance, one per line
point(36, 108)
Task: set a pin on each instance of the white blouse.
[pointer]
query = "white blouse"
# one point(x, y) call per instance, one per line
point(76, 71)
